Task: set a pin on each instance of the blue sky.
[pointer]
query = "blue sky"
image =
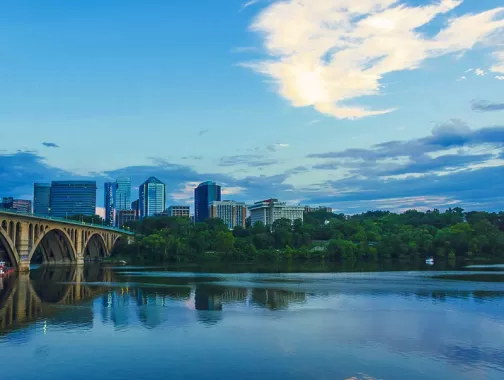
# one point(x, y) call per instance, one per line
point(298, 100)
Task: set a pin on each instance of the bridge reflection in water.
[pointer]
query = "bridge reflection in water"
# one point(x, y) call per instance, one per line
point(44, 293)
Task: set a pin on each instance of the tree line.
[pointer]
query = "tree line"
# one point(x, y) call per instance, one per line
point(374, 235)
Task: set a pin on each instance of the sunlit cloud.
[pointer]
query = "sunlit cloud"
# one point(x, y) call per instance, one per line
point(327, 53)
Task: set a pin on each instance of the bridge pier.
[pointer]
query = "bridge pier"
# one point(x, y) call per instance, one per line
point(24, 266)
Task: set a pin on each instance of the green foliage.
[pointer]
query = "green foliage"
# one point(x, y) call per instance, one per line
point(323, 236)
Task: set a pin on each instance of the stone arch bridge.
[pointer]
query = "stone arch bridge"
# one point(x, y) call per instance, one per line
point(60, 241)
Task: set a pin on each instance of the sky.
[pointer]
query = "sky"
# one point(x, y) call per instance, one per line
point(355, 104)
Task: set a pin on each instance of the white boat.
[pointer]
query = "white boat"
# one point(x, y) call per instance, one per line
point(429, 261)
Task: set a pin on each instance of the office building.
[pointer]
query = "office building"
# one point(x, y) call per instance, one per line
point(309, 209)
point(123, 194)
point(73, 198)
point(232, 213)
point(41, 198)
point(16, 205)
point(270, 210)
point(125, 216)
point(179, 211)
point(110, 193)
point(152, 197)
point(135, 206)
point(7, 203)
point(204, 195)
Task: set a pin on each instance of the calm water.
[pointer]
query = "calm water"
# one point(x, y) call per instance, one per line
point(151, 323)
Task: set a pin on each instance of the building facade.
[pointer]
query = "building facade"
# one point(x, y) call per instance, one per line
point(109, 202)
point(73, 198)
point(123, 194)
point(152, 197)
point(125, 216)
point(309, 209)
point(17, 205)
point(232, 213)
point(271, 210)
point(179, 211)
point(204, 195)
point(41, 198)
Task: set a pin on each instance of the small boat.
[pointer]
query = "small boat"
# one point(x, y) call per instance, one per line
point(429, 261)
point(5, 271)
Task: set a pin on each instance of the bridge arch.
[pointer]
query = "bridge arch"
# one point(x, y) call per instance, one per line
point(56, 246)
point(7, 246)
point(95, 246)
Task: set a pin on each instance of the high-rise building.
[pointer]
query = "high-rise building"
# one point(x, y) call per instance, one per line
point(152, 197)
point(271, 210)
point(110, 192)
point(125, 216)
point(232, 213)
point(73, 198)
point(41, 198)
point(123, 194)
point(181, 211)
point(204, 195)
point(17, 205)
point(135, 206)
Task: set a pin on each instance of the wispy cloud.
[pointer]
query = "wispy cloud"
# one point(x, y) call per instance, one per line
point(312, 122)
point(277, 147)
point(499, 77)
point(480, 72)
point(244, 49)
point(485, 106)
point(324, 54)
point(50, 145)
point(248, 4)
point(203, 132)
point(462, 78)
point(252, 160)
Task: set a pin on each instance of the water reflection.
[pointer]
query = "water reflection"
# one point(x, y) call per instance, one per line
point(45, 293)
point(457, 324)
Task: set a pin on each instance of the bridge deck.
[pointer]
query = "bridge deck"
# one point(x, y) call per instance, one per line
point(65, 221)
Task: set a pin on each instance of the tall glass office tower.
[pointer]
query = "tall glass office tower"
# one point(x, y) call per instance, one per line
point(41, 198)
point(204, 195)
point(152, 197)
point(123, 194)
point(110, 195)
point(73, 198)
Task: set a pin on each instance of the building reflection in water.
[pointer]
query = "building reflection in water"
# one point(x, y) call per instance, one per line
point(44, 294)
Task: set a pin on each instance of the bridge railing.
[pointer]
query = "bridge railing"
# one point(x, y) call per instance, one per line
point(64, 220)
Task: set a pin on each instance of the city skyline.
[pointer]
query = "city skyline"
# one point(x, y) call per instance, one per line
point(414, 123)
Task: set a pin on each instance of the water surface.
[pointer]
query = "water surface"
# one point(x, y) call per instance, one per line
point(156, 323)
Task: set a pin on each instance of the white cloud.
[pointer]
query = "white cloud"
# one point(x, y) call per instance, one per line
point(325, 53)
point(312, 122)
point(462, 78)
point(186, 193)
point(480, 72)
point(469, 70)
point(499, 77)
point(232, 190)
point(499, 66)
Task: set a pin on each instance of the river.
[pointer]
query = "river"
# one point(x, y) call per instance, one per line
point(98, 322)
